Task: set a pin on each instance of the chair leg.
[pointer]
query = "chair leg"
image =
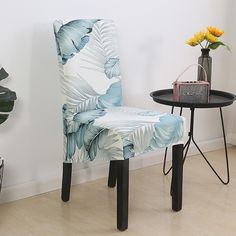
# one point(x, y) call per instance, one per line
point(112, 174)
point(66, 181)
point(122, 194)
point(177, 177)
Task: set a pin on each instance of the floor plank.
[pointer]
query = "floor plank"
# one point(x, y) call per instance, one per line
point(209, 207)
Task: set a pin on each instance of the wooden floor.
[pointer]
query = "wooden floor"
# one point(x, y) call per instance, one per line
point(209, 208)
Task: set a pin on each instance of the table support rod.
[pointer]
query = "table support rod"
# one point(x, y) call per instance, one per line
point(191, 138)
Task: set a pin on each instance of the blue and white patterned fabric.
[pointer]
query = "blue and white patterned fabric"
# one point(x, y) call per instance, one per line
point(96, 125)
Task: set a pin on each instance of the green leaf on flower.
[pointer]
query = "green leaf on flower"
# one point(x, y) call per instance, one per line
point(228, 48)
point(217, 44)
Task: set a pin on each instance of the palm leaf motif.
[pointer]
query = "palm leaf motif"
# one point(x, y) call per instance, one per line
point(98, 141)
point(128, 149)
point(72, 37)
point(165, 133)
point(112, 67)
point(88, 116)
point(73, 119)
point(112, 96)
point(79, 93)
point(101, 52)
point(137, 133)
point(126, 121)
point(70, 146)
point(78, 128)
point(103, 143)
point(141, 130)
point(123, 128)
point(148, 113)
point(80, 134)
point(141, 137)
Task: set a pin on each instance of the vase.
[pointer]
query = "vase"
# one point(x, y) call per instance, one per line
point(205, 61)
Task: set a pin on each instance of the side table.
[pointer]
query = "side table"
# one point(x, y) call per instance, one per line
point(218, 99)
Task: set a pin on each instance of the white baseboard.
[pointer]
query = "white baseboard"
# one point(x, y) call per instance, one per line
point(231, 138)
point(84, 175)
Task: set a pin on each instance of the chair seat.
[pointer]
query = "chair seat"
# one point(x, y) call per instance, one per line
point(119, 133)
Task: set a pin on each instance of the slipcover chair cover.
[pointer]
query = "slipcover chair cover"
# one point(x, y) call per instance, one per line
point(96, 123)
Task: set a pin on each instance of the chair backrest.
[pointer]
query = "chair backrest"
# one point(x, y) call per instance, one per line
point(89, 64)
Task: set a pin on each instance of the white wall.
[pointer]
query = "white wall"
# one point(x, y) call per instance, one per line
point(230, 78)
point(153, 52)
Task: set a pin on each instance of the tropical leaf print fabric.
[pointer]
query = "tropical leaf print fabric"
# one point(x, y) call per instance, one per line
point(96, 125)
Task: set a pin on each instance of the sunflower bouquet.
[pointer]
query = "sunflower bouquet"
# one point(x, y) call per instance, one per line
point(207, 38)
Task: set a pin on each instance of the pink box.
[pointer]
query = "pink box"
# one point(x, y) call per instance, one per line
point(191, 91)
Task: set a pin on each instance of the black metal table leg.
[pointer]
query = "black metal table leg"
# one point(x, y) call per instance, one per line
point(225, 146)
point(186, 146)
point(191, 138)
point(164, 164)
point(190, 133)
point(226, 153)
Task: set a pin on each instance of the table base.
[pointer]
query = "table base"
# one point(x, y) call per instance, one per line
point(191, 138)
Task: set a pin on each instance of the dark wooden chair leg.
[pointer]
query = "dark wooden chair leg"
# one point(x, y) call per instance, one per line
point(122, 194)
point(112, 174)
point(177, 177)
point(66, 181)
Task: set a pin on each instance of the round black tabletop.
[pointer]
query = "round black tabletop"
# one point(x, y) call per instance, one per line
point(217, 99)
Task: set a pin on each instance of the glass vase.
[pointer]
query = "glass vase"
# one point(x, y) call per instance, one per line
point(206, 62)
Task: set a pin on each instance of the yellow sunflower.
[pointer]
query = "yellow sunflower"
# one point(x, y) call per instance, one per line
point(192, 42)
point(215, 31)
point(200, 36)
point(210, 37)
point(207, 38)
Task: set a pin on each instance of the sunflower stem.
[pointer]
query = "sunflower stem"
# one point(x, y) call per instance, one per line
point(201, 45)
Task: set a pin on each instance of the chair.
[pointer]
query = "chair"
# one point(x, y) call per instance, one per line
point(96, 125)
